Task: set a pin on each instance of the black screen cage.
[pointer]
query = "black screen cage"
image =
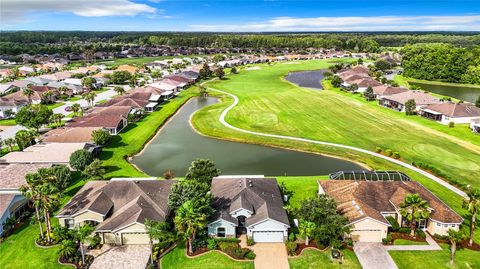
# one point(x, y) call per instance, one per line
point(369, 175)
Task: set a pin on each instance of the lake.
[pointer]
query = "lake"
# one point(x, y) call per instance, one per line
point(307, 79)
point(465, 93)
point(177, 145)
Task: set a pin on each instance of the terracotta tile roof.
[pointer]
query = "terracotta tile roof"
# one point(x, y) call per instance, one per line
point(365, 82)
point(130, 200)
point(455, 109)
point(420, 97)
point(259, 195)
point(360, 199)
point(129, 68)
point(70, 135)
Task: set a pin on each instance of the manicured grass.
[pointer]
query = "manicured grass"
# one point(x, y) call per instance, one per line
point(75, 98)
point(132, 139)
point(8, 122)
point(19, 249)
point(464, 258)
point(312, 259)
point(177, 259)
point(405, 80)
point(269, 104)
point(302, 187)
point(55, 105)
point(143, 60)
point(407, 242)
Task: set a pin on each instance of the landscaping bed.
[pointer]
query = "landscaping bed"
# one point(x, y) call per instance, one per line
point(311, 244)
point(77, 261)
point(229, 246)
point(404, 236)
point(463, 244)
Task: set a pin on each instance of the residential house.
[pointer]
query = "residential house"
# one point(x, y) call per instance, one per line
point(367, 204)
point(129, 68)
point(381, 91)
point(12, 202)
point(251, 206)
point(57, 76)
point(47, 153)
point(7, 87)
point(26, 70)
point(113, 119)
point(190, 74)
point(137, 105)
point(70, 135)
point(10, 105)
point(5, 73)
point(118, 208)
point(451, 112)
point(72, 89)
point(397, 101)
point(38, 81)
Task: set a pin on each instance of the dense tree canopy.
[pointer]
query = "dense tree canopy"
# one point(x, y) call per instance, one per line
point(33, 116)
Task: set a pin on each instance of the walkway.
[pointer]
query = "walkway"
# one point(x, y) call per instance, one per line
point(432, 245)
point(392, 160)
point(121, 257)
point(373, 256)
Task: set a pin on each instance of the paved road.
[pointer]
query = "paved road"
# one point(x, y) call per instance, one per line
point(432, 245)
point(392, 160)
point(100, 97)
point(373, 256)
point(11, 131)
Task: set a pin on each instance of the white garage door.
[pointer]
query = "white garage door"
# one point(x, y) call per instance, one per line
point(268, 236)
point(368, 235)
point(135, 238)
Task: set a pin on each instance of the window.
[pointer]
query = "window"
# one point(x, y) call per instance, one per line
point(452, 225)
point(439, 225)
point(445, 225)
point(221, 232)
point(69, 223)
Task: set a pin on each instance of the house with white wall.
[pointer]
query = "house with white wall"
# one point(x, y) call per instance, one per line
point(447, 112)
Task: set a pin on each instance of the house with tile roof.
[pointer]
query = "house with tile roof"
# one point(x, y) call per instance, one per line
point(366, 204)
point(248, 205)
point(451, 112)
point(397, 101)
point(118, 208)
point(113, 119)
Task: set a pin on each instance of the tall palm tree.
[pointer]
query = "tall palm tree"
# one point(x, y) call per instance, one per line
point(31, 192)
point(49, 197)
point(76, 108)
point(67, 249)
point(414, 208)
point(82, 235)
point(10, 142)
point(157, 231)
point(119, 90)
point(90, 98)
point(472, 204)
point(454, 237)
point(188, 221)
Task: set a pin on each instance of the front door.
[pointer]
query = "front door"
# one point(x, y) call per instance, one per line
point(241, 225)
point(422, 224)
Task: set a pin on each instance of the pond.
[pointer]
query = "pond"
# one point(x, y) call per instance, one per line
point(307, 79)
point(465, 93)
point(177, 145)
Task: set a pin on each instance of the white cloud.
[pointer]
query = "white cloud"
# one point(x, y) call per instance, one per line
point(14, 11)
point(374, 23)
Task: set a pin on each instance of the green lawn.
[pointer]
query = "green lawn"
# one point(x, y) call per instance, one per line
point(8, 122)
point(143, 60)
point(132, 139)
point(407, 242)
point(19, 249)
point(303, 187)
point(177, 259)
point(464, 258)
point(269, 104)
point(312, 259)
point(55, 105)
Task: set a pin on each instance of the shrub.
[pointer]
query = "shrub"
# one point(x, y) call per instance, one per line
point(378, 149)
point(291, 248)
point(420, 233)
point(80, 159)
point(224, 246)
point(228, 239)
point(291, 237)
point(95, 241)
point(396, 155)
point(388, 152)
point(100, 137)
point(451, 124)
point(393, 223)
point(250, 242)
point(388, 239)
point(404, 230)
point(441, 237)
point(250, 255)
point(212, 244)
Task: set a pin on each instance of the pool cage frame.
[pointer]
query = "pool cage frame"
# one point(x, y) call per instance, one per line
point(369, 175)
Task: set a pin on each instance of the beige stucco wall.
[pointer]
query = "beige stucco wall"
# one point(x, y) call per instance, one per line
point(369, 230)
point(440, 228)
point(79, 219)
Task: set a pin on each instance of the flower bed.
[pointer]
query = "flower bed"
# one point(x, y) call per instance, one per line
point(77, 261)
point(230, 247)
point(404, 236)
point(311, 244)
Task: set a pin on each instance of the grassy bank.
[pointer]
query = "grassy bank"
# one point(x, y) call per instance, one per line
point(404, 81)
point(144, 60)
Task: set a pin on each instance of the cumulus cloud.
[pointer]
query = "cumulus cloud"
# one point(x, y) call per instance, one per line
point(13, 11)
point(374, 23)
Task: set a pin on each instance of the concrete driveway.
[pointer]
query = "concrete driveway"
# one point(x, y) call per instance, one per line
point(270, 256)
point(121, 257)
point(373, 256)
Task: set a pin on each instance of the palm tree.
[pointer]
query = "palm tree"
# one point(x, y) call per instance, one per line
point(49, 198)
point(188, 221)
point(414, 208)
point(10, 142)
point(306, 229)
point(56, 119)
point(28, 92)
point(63, 90)
point(472, 204)
point(454, 237)
point(90, 98)
point(157, 231)
point(31, 192)
point(82, 235)
point(119, 90)
point(203, 90)
point(67, 249)
point(76, 108)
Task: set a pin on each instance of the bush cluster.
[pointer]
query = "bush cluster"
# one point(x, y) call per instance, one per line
point(291, 248)
point(388, 239)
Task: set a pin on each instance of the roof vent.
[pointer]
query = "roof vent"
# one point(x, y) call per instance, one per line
point(137, 181)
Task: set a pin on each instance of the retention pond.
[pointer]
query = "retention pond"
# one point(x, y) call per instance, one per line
point(307, 79)
point(177, 145)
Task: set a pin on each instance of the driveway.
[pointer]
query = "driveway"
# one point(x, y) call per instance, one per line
point(373, 256)
point(121, 257)
point(270, 256)
point(10, 131)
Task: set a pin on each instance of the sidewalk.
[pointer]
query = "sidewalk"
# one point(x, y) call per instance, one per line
point(432, 245)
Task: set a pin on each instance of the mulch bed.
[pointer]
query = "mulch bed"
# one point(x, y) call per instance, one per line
point(198, 251)
point(396, 236)
point(311, 244)
point(463, 244)
point(88, 262)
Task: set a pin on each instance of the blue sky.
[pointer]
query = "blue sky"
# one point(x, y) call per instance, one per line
point(238, 15)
